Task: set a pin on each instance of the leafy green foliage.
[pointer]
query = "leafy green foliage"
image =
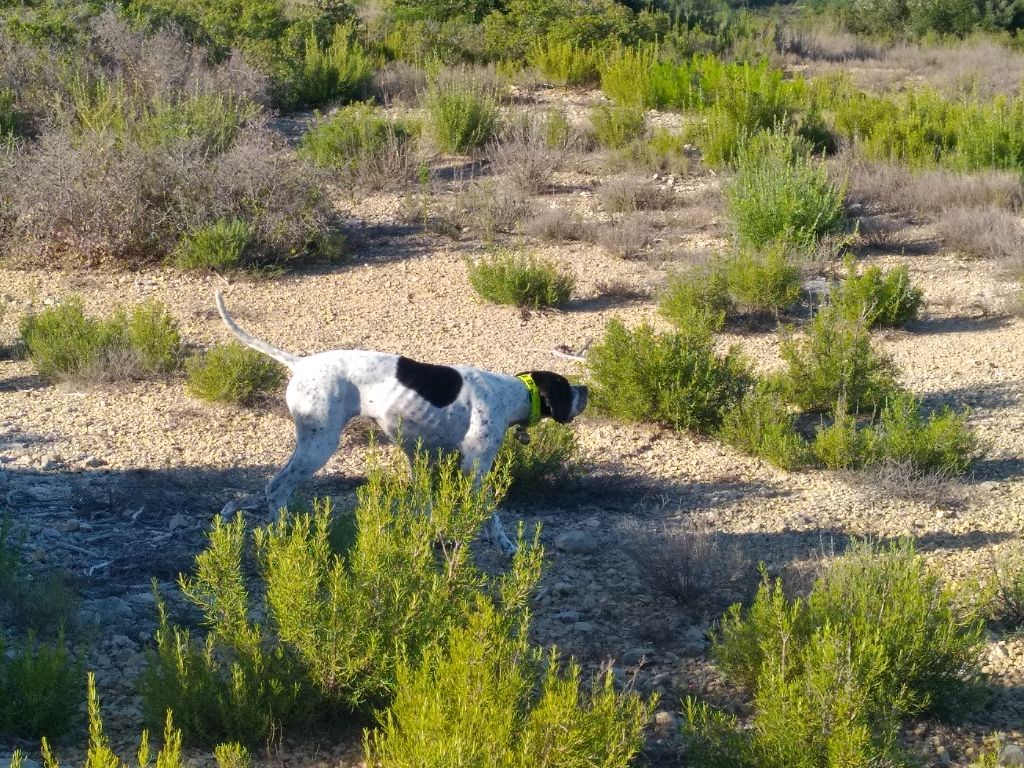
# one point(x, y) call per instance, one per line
point(342, 70)
point(762, 425)
point(369, 150)
point(233, 373)
point(841, 445)
point(565, 63)
point(676, 379)
point(40, 688)
point(878, 640)
point(617, 126)
point(780, 194)
point(508, 277)
point(940, 442)
point(487, 698)
point(232, 755)
point(62, 341)
point(697, 295)
point(220, 245)
point(549, 459)
point(877, 298)
point(766, 282)
point(463, 115)
point(336, 627)
point(835, 359)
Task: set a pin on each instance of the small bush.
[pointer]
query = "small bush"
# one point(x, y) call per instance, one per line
point(989, 233)
point(503, 703)
point(565, 63)
point(767, 282)
point(626, 238)
point(780, 194)
point(878, 640)
point(369, 150)
point(524, 156)
point(463, 115)
point(233, 373)
point(940, 442)
point(1005, 593)
point(220, 245)
point(663, 152)
point(629, 194)
point(878, 299)
point(834, 360)
point(232, 755)
point(334, 629)
point(62, 342)
point(762, 425)
point(688, 563)
point(488, 207)
point(698, 294)
point(526, 281)
point(100, 755)
point(549, 459)
point(616, 127)
point(676, 379)
point(555, 225)
point(342, 71)
point(40, 688)
point(841, 445)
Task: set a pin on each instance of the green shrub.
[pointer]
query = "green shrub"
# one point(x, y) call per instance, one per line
point(767, 282)
point(697, 295)
point(835, 359)
point(232, 755)
point(220, 245)
point(210, 120)
point(62, 341)
point(616, 126)
point(463, 115)
point(548, 459)
point(335, 627)
point(677, 379)
point(780, 194)
point(1005, 593)
point(841, 445)
point(878, 299)
point(343, 70)
point(41, 603)
point(10, 118)
point(564, 63)
point(233, 373)
point(40, 688)
point(762, 425)
point(100, 755)
point(364, 145)
point(507, 277)
point(487, 698)
point(879, 639)
point(664, 152)
point(940, 442)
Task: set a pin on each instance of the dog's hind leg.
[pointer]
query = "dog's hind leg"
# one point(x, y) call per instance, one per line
point(314, 444)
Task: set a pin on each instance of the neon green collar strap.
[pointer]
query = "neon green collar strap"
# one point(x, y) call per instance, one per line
point(531, 387)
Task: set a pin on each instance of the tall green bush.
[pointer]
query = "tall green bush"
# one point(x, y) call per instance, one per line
point(463, 115)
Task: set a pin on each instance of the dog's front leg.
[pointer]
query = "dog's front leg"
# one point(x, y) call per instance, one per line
point(478, 465)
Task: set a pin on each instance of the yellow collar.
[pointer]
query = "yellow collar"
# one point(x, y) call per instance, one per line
point(531, 387)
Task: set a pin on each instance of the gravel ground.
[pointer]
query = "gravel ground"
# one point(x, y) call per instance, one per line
point(118, 483)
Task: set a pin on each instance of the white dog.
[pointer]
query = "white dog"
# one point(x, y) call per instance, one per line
point(447, 408)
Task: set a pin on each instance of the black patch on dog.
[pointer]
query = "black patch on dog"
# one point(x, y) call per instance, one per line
point(439, 385)
point(555, 395)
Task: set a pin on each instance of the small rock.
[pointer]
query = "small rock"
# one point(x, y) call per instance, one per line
point(568, 617)
point(1011, 754)
point(177, 521)
point(999, 652)
point(562, 589)
point(634, 656)
point(576, 542)
point(943, 754)
point(93, 462)
point(665, 719)
point(70, 526)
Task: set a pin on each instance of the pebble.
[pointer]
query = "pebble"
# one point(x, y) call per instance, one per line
point(1011, 754)
point(177, 521)
point(634, 656)
point(576, 543)
point(568, 617)
point(943, 755)
point(666, 720)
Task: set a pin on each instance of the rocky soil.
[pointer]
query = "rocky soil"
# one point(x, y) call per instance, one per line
point(116, 484)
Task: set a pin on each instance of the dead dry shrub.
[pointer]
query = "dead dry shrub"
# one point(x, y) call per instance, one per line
point(627, 194)
point(627, 238)
point(524, 157)
point(688, 562)
point(488, 206)
point(895, 479)
point(991, 233)
point(399, 82)
point(897, 188)
point(555, 225)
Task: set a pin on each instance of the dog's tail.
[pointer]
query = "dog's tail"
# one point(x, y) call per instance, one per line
point(286, 359)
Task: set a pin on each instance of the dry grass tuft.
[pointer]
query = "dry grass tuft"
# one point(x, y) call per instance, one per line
point(900, 480)
point(555, 225)
point(627, 194)
point(687, 562)
point(626, 238)
point(984, 232)
point(524, 156)
point(399, 82)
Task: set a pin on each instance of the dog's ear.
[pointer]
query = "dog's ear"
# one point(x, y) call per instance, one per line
point(555, 395)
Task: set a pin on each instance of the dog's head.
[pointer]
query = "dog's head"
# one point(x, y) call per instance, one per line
point(559, 399)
